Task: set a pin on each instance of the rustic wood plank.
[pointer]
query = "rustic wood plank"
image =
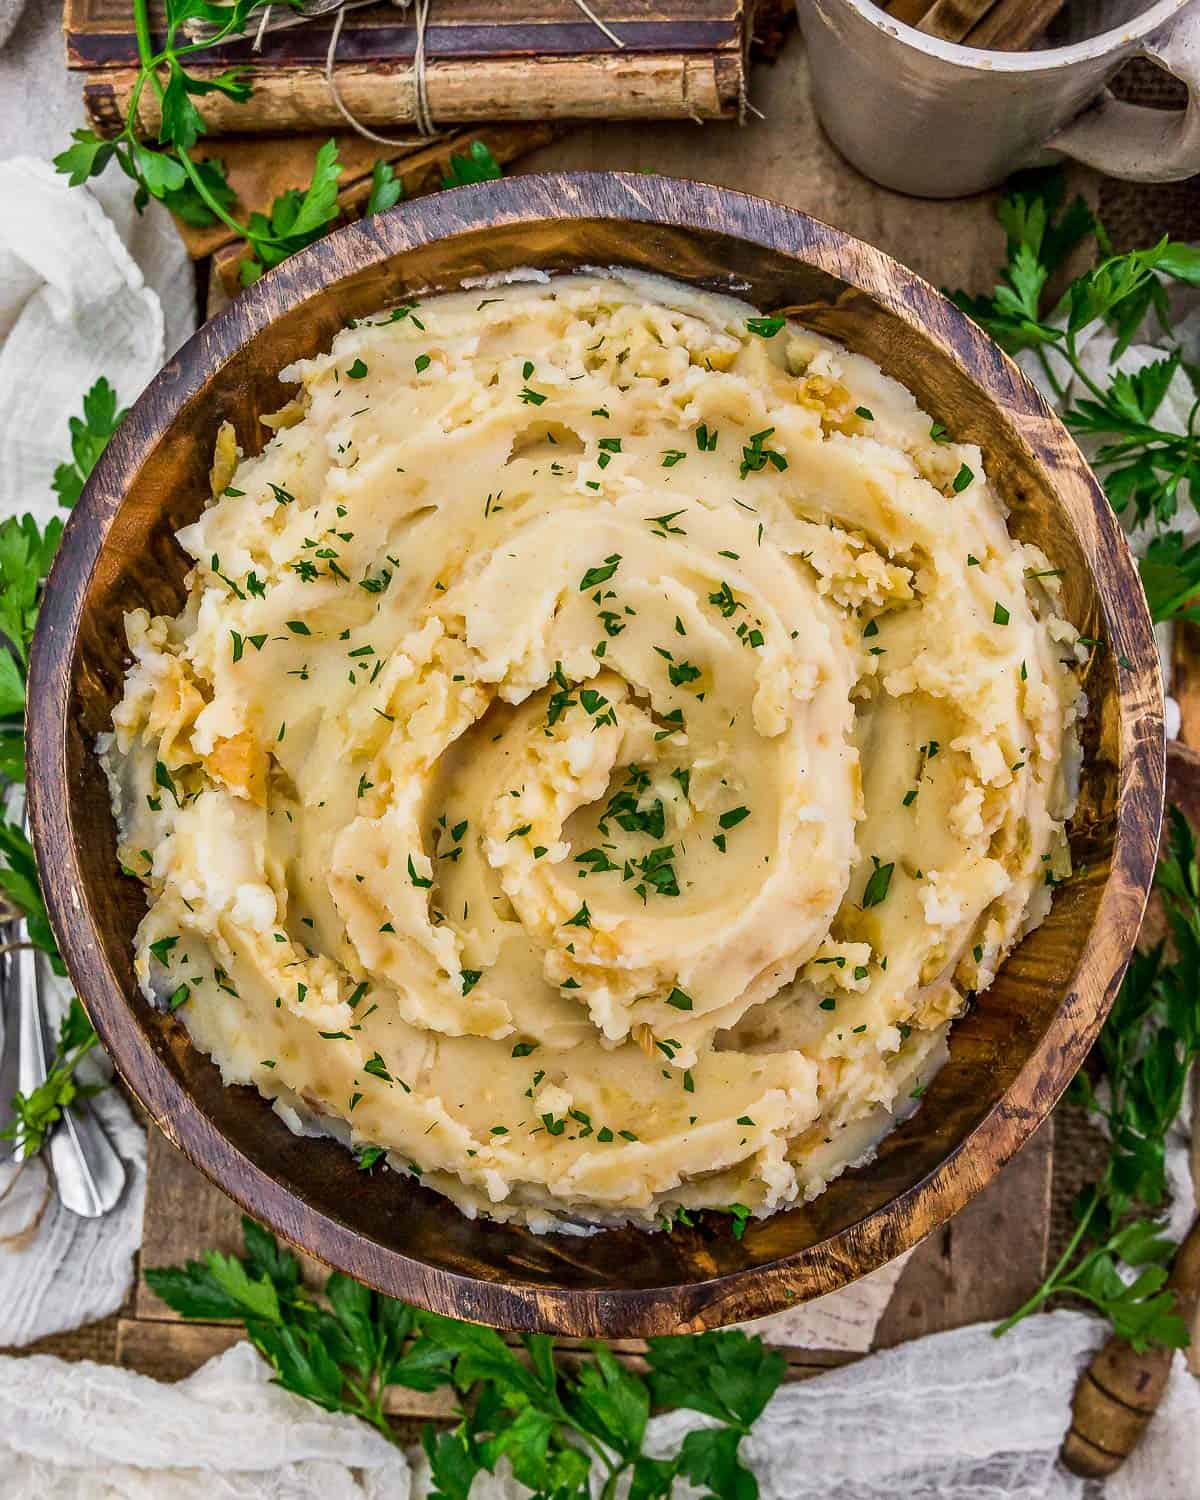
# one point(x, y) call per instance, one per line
point(186, 1214)
point(985, 1261)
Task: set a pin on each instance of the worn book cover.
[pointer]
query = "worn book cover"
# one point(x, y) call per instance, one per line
point(537, 59)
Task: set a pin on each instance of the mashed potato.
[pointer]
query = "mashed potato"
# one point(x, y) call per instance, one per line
point(609, 736)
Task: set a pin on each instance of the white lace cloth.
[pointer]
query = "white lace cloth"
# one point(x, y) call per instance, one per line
point(958, 1416)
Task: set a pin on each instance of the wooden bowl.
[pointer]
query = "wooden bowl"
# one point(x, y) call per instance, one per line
point(1010, 1058)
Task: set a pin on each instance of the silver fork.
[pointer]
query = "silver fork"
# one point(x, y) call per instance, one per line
point(89, 1174)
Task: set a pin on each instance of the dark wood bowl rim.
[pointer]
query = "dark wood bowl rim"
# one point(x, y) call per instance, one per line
point(757, 1290)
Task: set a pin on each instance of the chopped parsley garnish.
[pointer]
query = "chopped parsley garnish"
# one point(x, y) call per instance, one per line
point(877, 886)
point(163, 778)
point(357, 370)
point(756, 456)
point(662, 524)
point(725, 600)
point(680, 999)
point(162, 948)
point(601, 573)
point(962, 479)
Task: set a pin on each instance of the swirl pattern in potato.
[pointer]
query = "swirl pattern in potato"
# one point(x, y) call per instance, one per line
point(608, 736)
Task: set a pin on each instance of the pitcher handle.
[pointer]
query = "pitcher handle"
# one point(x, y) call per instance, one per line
point(1140, 144)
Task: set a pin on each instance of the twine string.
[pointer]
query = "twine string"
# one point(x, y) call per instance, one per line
point(422, 114)
point(423, 119)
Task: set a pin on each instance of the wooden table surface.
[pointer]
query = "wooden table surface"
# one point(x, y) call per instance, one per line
point(985, 1261)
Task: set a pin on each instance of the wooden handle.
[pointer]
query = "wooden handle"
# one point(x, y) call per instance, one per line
point(908, 11)
point(953, 19)
point(1120, 1390)
point(1011, 25)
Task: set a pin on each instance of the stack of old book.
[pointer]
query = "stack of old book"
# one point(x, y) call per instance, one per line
point(524, 67)
point(522, 60)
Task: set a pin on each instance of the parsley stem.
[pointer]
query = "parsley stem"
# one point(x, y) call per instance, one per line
point(185, 161)
point(141, 27)
point(609, 1491)
point(1051, 1283)
point(1072, 355)
point(1059, 390)
point(149, 69)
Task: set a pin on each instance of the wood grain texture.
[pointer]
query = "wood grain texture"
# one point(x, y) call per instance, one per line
point(1010, 1058)
point(956, 1276)
point(785, 156)
point(952, 1278)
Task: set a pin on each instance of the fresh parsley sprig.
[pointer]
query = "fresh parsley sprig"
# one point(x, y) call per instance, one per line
point(36, 1114)
point(344, 1347)
point(199, 191)
point(1145, 1052)
point(1143, 466)
point(26, 552)
point(89, 438)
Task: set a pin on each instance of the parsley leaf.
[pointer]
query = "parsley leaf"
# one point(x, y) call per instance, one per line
point(477, 165)
point(89, 438)
point(1144, 466)
point(386, 188)
point(342, 1347)
point(1117, 1259)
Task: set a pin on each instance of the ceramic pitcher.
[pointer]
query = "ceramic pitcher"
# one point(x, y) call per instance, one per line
point(939, 120)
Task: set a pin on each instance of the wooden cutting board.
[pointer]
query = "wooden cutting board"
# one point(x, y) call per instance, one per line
point(957, 1275)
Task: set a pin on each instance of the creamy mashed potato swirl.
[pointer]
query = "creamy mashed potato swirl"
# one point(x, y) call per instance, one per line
point(608, 737)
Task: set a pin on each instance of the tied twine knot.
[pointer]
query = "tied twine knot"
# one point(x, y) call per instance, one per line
point(422, 114)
